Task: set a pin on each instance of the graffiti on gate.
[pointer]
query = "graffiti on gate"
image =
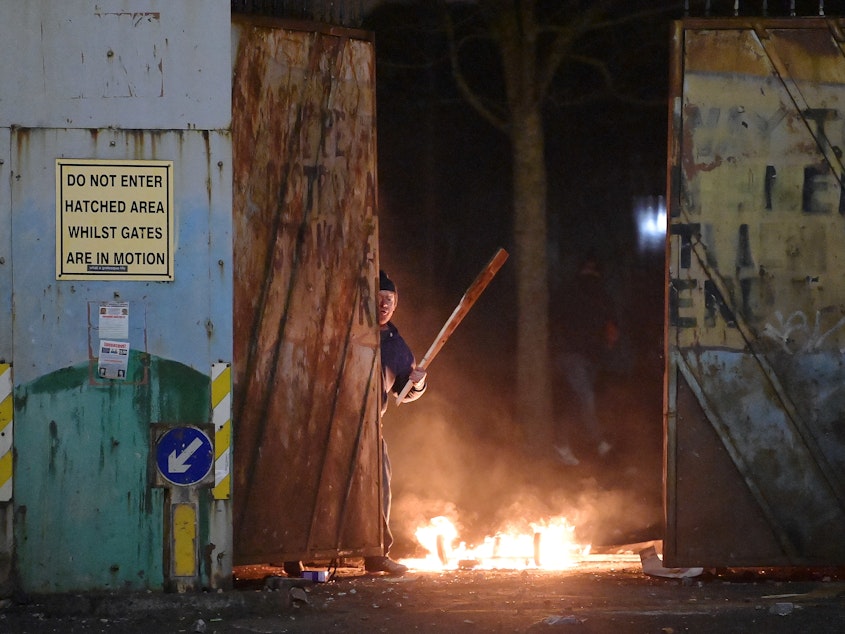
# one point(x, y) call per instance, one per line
point(796, 334)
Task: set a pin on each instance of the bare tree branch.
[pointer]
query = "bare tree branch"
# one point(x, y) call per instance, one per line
point(534, 50)
point(471, 97)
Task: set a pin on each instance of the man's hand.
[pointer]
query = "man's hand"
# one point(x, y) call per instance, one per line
point(417, 377)
point(413, 388)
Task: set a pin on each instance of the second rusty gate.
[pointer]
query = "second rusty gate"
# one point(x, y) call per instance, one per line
point(756, 305)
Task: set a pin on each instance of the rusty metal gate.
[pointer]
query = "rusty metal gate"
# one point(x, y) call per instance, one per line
point(755, 407)
point(306, 461)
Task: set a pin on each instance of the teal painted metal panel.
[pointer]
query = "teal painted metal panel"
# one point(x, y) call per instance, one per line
point(114, 520)
point(86, 516)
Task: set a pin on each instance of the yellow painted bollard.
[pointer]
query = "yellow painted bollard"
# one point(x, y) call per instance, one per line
point(184, 540)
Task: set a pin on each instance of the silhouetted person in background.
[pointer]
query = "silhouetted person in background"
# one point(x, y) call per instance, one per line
point(586, 331)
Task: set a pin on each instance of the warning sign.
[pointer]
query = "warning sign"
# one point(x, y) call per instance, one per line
point(114, 219)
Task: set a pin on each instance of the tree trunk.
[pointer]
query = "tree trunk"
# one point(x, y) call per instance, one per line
point(534, 386)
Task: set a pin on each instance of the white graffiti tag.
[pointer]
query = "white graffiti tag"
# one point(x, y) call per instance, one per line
point(787, 333)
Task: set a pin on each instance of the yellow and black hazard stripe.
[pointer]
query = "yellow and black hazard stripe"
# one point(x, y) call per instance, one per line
point(221, 407)
point(6, 444)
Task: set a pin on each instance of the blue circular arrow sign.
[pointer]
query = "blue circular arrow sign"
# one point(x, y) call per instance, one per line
point(184, 455)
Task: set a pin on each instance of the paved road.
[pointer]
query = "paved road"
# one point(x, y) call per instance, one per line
point(597, 597)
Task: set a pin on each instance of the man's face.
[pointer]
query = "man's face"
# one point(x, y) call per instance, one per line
point(386, 305)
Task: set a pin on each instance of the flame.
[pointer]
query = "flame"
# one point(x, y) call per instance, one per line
point(548, 545)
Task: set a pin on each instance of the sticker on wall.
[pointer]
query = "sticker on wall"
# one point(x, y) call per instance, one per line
point(114, 320)
point(113, 360)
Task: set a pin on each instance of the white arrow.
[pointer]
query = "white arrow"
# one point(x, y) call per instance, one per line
point(177, 464)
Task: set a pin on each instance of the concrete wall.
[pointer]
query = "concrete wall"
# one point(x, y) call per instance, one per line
point(124, 83)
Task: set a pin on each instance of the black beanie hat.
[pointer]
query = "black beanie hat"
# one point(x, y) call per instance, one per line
point(385, 283)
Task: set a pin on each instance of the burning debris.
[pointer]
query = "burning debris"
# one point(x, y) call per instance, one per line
point(548, 545)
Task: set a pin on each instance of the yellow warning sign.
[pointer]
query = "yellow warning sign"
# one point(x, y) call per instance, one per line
point(114, 219)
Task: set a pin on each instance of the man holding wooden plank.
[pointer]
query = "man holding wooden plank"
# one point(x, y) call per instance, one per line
point(405, 378)
point(398, 368)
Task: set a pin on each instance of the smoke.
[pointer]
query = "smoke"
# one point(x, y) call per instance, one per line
point(465, 459)
point(460, 451)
